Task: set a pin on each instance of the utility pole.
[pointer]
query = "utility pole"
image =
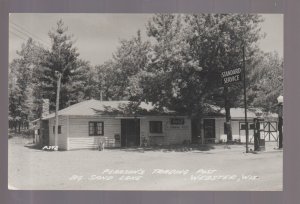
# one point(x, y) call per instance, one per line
point(57, 107)
point(245, 101)
point(280, 120)
point(59, 75)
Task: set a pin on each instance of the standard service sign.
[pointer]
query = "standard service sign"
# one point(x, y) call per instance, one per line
point(232, 75)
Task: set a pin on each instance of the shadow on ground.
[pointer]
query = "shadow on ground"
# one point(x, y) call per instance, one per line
point(173, 148)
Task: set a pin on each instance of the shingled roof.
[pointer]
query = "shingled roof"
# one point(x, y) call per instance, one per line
point(95, 107)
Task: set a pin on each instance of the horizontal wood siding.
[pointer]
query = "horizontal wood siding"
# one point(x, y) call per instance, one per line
point(90, 142)
point(79, 132)
point(62, 138)
point(171, 134)
point(236, 133)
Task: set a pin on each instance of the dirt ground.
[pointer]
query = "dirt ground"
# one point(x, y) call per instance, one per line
point(219, 167)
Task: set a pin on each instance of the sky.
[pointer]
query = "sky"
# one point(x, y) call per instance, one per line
point(97, 36)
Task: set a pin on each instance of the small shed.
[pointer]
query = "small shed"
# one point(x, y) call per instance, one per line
point(214, 128)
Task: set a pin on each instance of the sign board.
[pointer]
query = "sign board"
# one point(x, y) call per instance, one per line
point(231, 76)
point(177, 121)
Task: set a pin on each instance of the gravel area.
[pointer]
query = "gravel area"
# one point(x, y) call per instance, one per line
point(219, 167)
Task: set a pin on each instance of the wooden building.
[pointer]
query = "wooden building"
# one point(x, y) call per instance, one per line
point(214, 126)
point(116, 124)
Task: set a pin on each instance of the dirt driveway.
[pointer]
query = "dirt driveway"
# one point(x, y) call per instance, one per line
point(219, 168)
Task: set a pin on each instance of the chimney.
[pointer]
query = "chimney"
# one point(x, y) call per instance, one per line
point(45, 107)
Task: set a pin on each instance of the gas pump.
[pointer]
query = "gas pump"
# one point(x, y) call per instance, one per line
point(259, 139)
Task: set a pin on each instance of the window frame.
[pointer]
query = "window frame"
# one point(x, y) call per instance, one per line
point(95, 128)
point(59, 129)
point(249, 126)
point(151, 127)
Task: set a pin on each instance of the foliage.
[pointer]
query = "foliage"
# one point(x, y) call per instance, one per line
point(266, 81)
point(119, 78)
point(62, 58)
point(172, 71)
point(177, 66)
point(217, 41)
point(20, 84)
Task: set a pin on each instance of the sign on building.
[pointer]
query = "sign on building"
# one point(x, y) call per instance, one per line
point(231, 76)
point(177, 121)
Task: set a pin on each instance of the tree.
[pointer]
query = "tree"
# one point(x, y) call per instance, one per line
point(106, 80)
point(217, 41)
point(188, 56)
point(172, 71)
point(120, 78)
point(266, 81)
point(62, 58)
point(20, 84)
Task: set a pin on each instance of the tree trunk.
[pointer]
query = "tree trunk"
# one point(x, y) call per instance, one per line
point(280, 124)
point(227, 115)
point(15, 126)
point(19, 127)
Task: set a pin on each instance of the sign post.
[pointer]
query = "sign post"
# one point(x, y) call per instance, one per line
point(229, 77)
point(235, 75)
point(245, 101)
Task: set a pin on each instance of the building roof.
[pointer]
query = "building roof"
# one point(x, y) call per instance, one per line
point(95, 107)
point(240, 113)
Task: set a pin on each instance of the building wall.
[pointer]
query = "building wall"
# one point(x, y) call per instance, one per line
point(237, 134)
point(79, 137)
point(171, 134)
point(62, 138)
point(79, 132)
point(75, 132)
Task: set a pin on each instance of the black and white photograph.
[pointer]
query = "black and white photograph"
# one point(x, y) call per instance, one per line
point(145, 102)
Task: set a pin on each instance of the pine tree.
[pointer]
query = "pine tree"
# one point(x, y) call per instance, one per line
point(20, 85)
point(62, 58)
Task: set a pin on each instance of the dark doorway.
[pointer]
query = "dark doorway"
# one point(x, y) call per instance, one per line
point(209, 130)
point(45, 132)
point(196, 130)
point(130, 132)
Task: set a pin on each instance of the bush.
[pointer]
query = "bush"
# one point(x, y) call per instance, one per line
point(23, 133)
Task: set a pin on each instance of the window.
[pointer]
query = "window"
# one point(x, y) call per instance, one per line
point(250, 126)
point(96, 128)
point(155, 126)
point(59, 129)
point(243, 126)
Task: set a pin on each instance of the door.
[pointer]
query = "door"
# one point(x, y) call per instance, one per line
point(130, 132)
point(44, 130)
point(196, 131)
point(209, 130)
